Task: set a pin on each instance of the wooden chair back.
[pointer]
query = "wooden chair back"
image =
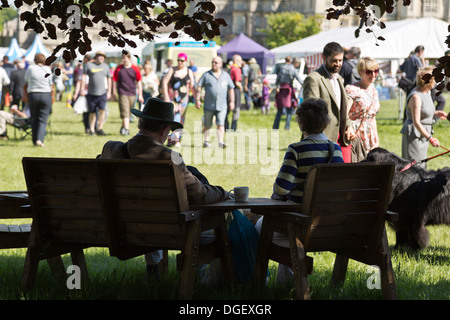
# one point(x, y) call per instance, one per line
point(143, 204)
point(347, 205)
point(65, 201)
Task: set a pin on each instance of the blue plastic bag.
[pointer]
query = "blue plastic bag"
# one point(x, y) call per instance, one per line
point(244, 245)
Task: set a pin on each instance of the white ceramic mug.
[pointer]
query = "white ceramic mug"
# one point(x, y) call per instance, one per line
point(239, 194)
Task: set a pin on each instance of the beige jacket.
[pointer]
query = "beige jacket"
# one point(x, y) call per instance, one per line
point(317, 85)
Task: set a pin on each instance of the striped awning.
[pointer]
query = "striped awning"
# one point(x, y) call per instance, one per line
point(313, 61)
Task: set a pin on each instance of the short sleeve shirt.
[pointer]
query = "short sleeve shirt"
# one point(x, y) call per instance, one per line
point(236, 74)
point(126, 79)
point(98, 75)
point(216, 90)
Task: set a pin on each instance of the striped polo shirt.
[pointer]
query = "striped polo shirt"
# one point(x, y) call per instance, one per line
point(299, 159)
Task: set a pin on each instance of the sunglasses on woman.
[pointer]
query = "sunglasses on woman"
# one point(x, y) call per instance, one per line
point(369, 72)
point(181, 60)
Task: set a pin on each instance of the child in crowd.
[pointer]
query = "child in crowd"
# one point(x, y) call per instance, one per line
point(266, 90)
point(312, 118)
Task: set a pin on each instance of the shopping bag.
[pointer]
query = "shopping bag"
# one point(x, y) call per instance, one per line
point(80, 105)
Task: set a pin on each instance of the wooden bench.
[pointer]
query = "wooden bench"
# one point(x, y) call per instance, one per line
point(344, 210)
point(14, 205)
point(130, 206)
point(14, 236)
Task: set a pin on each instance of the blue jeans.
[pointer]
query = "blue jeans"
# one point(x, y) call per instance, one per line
point(40, 104)
point(280, 111)
point(236, 112)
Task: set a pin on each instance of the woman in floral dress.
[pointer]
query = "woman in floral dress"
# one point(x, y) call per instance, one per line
point(364, 103)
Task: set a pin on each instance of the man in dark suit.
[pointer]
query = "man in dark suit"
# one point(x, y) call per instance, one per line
point(327, 84)
point(16, 86)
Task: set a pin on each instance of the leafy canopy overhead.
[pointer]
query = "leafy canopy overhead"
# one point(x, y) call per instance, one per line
point(200, 25)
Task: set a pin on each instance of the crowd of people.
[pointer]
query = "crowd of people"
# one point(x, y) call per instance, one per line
point(339, 105)
point(345, 81)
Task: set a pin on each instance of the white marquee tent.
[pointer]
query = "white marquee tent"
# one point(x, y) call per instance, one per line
point(36, 47)
point(401, 37)
point(14, 51)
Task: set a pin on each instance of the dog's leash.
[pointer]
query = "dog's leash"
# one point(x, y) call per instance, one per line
point(409, 165)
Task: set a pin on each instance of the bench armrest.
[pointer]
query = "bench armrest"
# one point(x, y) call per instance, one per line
point(293, 217)
point(391, 216)
point(195, 214)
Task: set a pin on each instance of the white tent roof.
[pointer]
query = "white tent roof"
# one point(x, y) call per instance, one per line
point(14, 51)
point(401, 37)
point(36, 47)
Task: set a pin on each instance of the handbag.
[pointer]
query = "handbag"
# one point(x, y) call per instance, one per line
point(406, 84)
point(244, 245)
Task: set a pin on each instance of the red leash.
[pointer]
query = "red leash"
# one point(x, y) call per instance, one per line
point(409, 165)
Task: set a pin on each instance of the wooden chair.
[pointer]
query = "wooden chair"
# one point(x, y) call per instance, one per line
point(146, 208)
point(343, 211)
point(67, 215)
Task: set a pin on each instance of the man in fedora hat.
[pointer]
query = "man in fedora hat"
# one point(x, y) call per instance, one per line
point(98, 93)
point(156, 120)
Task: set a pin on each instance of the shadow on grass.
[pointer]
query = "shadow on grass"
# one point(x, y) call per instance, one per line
point(112, 279)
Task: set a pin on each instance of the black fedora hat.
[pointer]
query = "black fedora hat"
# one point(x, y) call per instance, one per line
point(157, 109)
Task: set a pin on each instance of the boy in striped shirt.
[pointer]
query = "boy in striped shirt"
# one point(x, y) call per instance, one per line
point(312, 118)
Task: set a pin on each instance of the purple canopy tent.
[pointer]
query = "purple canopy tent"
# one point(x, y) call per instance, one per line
point(247, 48)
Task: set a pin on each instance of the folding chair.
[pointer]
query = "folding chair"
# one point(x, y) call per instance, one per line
point(23, 126)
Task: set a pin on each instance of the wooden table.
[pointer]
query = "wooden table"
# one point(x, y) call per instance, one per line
point(256, 205)
point(14, 205)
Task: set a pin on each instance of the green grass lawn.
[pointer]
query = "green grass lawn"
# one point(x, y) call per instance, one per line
point(419, 275)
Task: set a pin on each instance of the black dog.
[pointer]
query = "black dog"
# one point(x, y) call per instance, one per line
point(420, 197)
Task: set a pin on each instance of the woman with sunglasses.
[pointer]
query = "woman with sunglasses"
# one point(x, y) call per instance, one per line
point(364, 103)
point(176, 85)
